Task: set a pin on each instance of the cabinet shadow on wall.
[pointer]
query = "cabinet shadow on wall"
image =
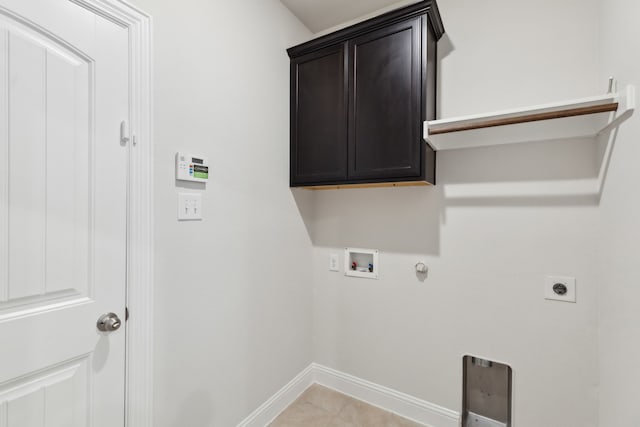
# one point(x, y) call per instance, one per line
point(549, 174)
point(445, 48)
point(402, 219)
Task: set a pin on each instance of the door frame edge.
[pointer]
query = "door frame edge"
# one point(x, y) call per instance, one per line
point(140, 248)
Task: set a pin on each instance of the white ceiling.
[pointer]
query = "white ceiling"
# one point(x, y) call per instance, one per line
point(319, 15)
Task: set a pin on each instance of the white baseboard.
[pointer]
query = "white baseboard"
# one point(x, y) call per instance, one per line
point(394, 401)
point(277, 403)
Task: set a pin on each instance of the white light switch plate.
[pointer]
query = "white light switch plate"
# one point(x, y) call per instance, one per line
point(334, 263)
point(569, 282)
point(189, 207)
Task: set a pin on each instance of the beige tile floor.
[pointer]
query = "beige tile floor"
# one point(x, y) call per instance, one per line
point(322, 407)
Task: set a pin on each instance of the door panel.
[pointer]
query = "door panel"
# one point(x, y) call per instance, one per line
point(318, 149)
point(46, 174)
point(67, 175)
point(63, 212)
point(26, 141)
point(57, 395)
point(385, 102)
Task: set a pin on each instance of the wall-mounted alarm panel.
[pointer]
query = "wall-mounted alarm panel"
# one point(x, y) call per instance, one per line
point(191, 168)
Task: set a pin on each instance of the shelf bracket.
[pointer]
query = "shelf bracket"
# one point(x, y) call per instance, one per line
point(611, 83)
point(627, 102)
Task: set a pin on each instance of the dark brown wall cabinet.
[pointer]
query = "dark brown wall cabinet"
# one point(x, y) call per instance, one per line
point(359, 98)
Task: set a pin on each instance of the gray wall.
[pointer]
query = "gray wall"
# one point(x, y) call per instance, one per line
point(499, 221)
point(233, 292)
point(619, 249)
point(244, 299)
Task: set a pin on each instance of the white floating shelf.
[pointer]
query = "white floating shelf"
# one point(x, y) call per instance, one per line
point(570, 119)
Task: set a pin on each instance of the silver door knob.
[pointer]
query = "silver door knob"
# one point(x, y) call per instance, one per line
point(109, 322)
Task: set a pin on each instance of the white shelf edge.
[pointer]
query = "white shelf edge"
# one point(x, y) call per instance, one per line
point(577, 126)
point(515, 112)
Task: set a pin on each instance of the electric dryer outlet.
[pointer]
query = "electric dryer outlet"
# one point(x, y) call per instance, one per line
point(560, 288)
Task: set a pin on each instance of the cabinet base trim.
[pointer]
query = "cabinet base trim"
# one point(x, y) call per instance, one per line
point(369, 185)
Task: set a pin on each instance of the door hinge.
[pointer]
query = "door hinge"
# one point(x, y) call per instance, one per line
point(126, 314)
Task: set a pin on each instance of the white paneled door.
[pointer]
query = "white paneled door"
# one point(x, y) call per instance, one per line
point(63, 214)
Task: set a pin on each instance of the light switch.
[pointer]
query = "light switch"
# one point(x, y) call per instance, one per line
point(189, 207)
point(333, 262)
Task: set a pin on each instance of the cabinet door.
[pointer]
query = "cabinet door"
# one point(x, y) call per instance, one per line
point(319, 117)
point(385, 114)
